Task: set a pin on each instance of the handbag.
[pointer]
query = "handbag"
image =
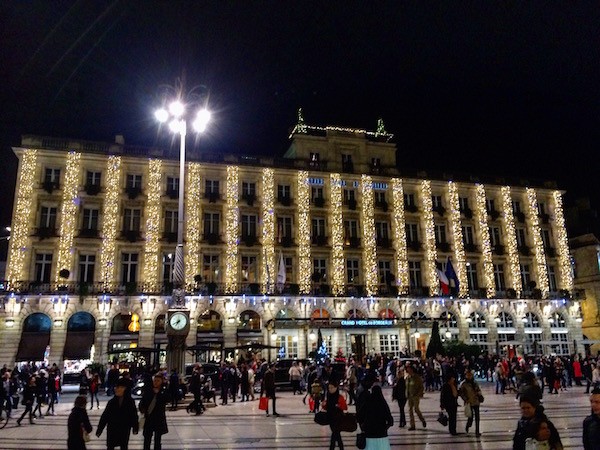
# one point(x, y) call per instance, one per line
point(442, 418)
point(361, 440)
point(347, 422)
point(468, 411)
point(321, 418)
point(85, 435)
point(263, 403)
point(141, 422)
point(480, 398)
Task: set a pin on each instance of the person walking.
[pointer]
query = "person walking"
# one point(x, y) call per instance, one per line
point(376, 418)
point(334, 405)
point(295, 375)
point(119, 417)
point(470, 392)
point(244, 383)
point(94, 388)
point(414, 393)
point(52, 392)
point(268, 388)
point(77, 424)
point(399, 394)
point(174, 389)
point(352, 379)
point(153, 406)
point(41, 391)
point(530, 411)
point(449, 401)
point(28, 397)
point(591, 424)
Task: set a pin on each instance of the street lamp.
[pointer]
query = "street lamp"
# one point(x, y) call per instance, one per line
point(175, 116)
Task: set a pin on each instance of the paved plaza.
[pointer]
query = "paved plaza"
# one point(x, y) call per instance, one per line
point(241, 425)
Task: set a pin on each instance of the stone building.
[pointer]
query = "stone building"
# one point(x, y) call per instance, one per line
point(330, 238)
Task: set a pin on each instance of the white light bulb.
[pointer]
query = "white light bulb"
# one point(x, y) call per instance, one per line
point(175, 125)
point(176, 108)
point(161, 115)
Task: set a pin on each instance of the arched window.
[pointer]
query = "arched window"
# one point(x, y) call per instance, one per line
point(249, 320)
point(35, 337)
point(81, 329)
point(81, 321)
point(476, 320)
point(285, 313)
point(387, 314)
point(320, 314)
point(37, 323)
point(504, 320)
point(531, 320)
point(557, 320)
point(448, 319)
point(159, 324)
point(209, 320)
point(356, 314)
point(419, 315)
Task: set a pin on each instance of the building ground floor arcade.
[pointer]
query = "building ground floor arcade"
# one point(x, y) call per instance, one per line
point(73, 331)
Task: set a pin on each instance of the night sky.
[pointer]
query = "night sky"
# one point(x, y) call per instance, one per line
point(507, 88)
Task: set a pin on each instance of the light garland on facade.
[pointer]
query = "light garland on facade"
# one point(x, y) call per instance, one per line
point(193, 222)
point(151, 248)
point(269, 267)
point(459, 248)
point(232, 230)
point(538, 243)
point(430, 251)
point(337, 235)
point(511, 239)
point(19, 235)
point(369, 236)
point(560, 231)
point(304, 263)
point(402, 277)
point(486, 246)
point(110, 219)
point(68, 215)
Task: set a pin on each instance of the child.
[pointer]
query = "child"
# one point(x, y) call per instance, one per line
point(316, 389)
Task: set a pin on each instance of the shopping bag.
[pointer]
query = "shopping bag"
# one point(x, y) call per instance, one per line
point(311, 404)
point(468, 411)
point(263, 403)
point(347, 422)
point(361, 440)
point(321, 418)
point(442, 418)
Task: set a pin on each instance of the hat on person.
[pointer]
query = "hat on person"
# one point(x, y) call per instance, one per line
point(122, 382)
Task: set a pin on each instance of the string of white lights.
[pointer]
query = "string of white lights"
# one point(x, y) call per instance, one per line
point(538, 243)
point(153, 208)
point(193, 222)
point(430, 250)
point(269, 271)
point(457, 235)
point(304, 262)
point(232, 230)
point(110, 219)
point(369, 236)
point(486, 247)
point(402, 278)
point(560, 230)
point(337, 235)
point(511, 239)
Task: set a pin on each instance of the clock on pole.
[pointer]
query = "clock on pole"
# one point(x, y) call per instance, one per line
point(177, 328)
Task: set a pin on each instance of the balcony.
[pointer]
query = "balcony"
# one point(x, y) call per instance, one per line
point(414, 245)
point(382, 204)
point(284, 200)
point(170, 236)
point(88, 233)
point(319, 240)
point(212, 196)
point(347, 167)
point(383, 242)
point(249, 240)
point(287, 241)
point(133, 192)
point(249, 199)
point(212, 238)
point(173, 194)
point(319, 202)
point(50, 186)
point(46, 232)
point(131, 235)
point(92, 189)
point(498, 249)
point(352, 241)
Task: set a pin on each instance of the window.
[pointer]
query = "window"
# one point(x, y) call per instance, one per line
point(414, 270)
point(129, 265)
point(168, 264)
point(351, 228)
point(87, 263)
point(52, 176)
point(320, 267)
point(349, 196)
point(380, 197)
point(525, 276)
point(316, 192)
point(352, 271)
point(561, 347)
point(314, 159)
point(546, 238)
point(490, 205)
point(211, 223)
point(249, 267)
point(389, 344)
point(516, 206)
point(381, 228)
point(289, 268)
point(171, 218)
point(557, 320)
point(467, 233)
point(92, 178)
point(43, 266)
point(440, 233)
point(495, 236)
point(472, 276)
point(449, 319)
point(476, 320)
point(531, 340)
point(504, 320)
point(412, 232)
point(409, 200)
point(210, 268)
point(346, 159)
point(436, 201)
point(133, 181)
point(48, 217)
point(248, 225)
point(90, 219)
point(288, 346)
point(385, 272)
point(172, 184)
point(499, 277)
point(248, 189)
point(521, 242)
point(463, 203)
point(479, 338)
point(211, 187)
point(531, 320)
point(283, 191)
point(375, 162)
point(318, 227)
point(552, 286)
point(284, 228)
point(132, 219)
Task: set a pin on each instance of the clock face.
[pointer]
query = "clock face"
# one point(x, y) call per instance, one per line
point(178, 321)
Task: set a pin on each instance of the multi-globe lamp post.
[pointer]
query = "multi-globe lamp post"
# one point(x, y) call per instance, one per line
point(178, 320)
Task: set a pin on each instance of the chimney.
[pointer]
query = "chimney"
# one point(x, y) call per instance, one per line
point(120, 139)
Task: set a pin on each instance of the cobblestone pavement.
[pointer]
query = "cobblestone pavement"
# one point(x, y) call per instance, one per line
point(241, 425)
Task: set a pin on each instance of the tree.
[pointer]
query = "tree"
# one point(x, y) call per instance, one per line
point(322, 354)
point(435, 346)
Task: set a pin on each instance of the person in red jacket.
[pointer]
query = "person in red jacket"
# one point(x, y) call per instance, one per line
point(334, 405)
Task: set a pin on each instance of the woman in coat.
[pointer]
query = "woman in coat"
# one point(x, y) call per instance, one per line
point(334, 405)
point(120, 417)
point(470, 392)
point(399, 394)
point(153, 406)
point(375, 418)
point(449, 401)
point(28, 396)
point(77, 423)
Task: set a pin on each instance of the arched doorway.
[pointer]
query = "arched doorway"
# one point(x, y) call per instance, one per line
point(77, 353)
point(35, 338)
point(123, 340)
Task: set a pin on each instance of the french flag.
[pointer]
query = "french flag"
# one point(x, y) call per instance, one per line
point(444, 283)
point(452, 277)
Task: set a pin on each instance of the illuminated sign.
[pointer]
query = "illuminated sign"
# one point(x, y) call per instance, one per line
point(367, 323)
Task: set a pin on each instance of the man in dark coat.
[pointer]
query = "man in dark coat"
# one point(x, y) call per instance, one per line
point(268, 387)
point(153, 406)
point(120, 417)
point(591, 424)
